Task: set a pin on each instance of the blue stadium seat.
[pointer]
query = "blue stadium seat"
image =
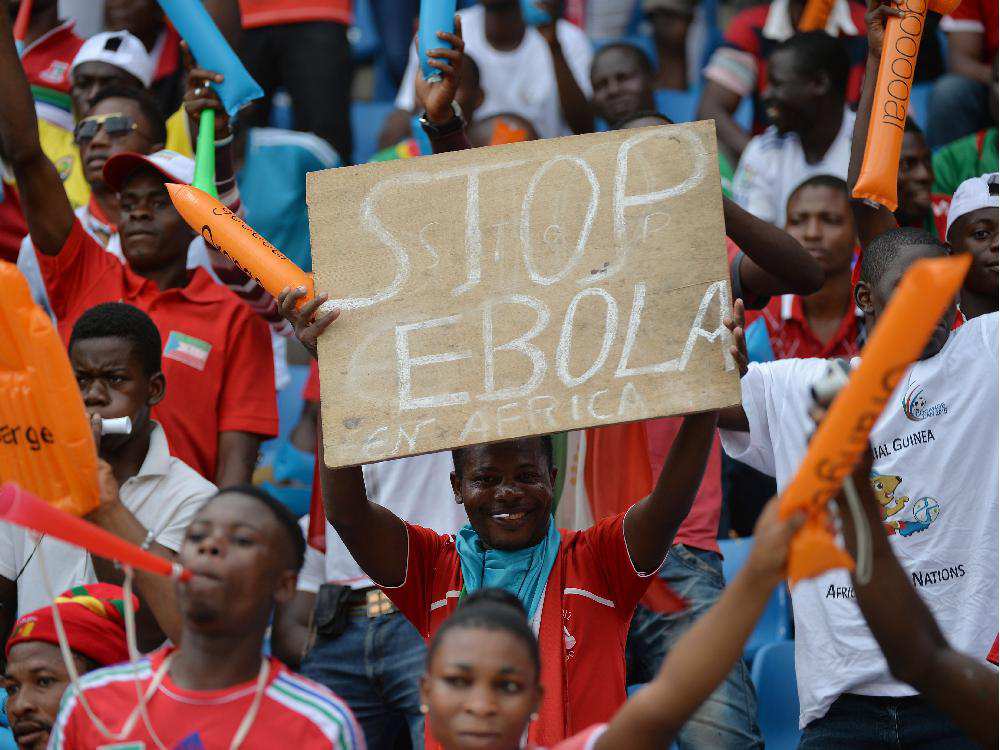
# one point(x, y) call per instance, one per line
point(734, 555)
point(366, 123)
point(682, 106)
point(920, 99)
point(714, 34)
point(679, 106)
point(775, 623)
point(363, 34)
point(773, 676)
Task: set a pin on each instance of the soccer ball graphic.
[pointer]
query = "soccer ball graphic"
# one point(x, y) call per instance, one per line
point(926, 509)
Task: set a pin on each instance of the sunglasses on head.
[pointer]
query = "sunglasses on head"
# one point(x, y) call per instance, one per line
point(115, 125)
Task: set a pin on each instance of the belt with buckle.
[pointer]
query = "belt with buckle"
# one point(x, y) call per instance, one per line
point(370, 602)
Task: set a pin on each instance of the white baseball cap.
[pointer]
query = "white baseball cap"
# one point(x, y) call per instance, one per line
point(173, 166)
point(974, 193)
point(121, 49)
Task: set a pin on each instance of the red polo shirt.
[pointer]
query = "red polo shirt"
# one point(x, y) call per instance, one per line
point(217, 355)
point(791, 335)
point(257, 13)
point(589, 599)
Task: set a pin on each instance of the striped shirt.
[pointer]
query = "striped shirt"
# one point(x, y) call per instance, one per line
point(295, 713)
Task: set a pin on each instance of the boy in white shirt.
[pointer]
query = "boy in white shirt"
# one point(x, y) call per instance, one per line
point(115, 353)
point(935, 472)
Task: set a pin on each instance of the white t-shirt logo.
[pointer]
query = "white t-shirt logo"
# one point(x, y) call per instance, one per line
point(916, 406)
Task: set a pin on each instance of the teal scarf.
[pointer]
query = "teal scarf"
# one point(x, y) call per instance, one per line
point(522, 572)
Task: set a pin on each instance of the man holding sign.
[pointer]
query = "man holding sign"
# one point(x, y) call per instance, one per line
point(579, 588)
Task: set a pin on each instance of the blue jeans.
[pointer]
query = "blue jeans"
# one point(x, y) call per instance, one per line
point(860, 722)
point(958, 106)
point(728, 719)
point(375, 667)
point(394, 20)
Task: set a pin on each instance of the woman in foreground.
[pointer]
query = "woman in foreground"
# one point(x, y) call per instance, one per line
point(482, 685)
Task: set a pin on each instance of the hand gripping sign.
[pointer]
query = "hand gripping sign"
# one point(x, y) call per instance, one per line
point(229, 234)
point(897, 340)
point(877, 181)
point(46, 443)
point(815, 15)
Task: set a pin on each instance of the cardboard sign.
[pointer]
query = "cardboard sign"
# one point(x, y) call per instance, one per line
point(521, 289)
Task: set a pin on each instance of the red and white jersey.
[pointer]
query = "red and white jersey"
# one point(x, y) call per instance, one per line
point(294, 712)
point(588, 603)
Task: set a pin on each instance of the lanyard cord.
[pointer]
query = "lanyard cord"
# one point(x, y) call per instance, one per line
point(143, 697)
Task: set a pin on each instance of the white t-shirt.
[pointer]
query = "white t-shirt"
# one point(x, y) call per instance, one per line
point(936, 450)
point(163, 496)
point(416, 488)
point(522, 81)
point(773, 165)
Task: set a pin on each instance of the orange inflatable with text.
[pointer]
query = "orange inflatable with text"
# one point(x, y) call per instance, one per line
point(229, 234)
point(902, 332)
point(901, 43)
point(46, 444)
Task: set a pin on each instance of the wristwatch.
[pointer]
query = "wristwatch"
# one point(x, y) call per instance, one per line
point(453, 125)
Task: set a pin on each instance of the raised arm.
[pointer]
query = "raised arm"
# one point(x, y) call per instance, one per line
point(573, 102)
point(446, 131)
point(375, 537)
point(703, 656)
point(719, 103)
point(651, 524)
point(775, 262)
point(43, 199)
point(198, 97)
point(871, 220)
point(917, 652)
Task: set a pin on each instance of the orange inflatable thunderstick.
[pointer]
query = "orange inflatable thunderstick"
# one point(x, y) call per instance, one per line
point(228, 233)
point(46, 444)
point(877, 180)
point(901, 334)
point(815, 15)
point(21, 508)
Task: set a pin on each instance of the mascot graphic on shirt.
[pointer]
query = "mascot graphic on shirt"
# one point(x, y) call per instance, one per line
point(923, 511)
